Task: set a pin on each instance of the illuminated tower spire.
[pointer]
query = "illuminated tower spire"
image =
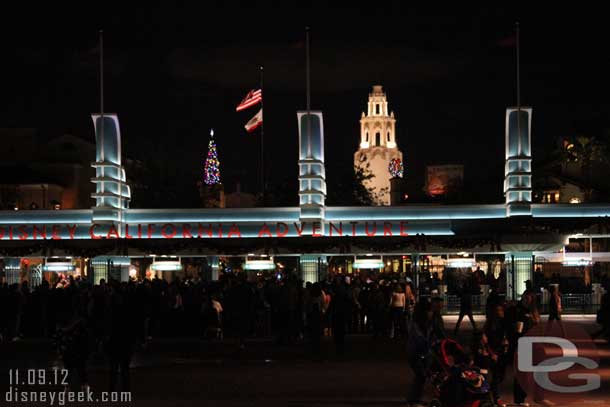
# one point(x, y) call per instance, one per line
point(378, 153)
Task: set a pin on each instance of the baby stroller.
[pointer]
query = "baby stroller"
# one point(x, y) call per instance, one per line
point(456, 382)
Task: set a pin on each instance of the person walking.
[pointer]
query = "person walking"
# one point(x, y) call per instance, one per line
point(397, 311)
point(377, 306)
point(438, 325)
point(493, 349)
point(340, 311)
point(314, 312)
point(465, 306)
point(16, 303)
point(212, 310)
point(603, 317)
point(493, 299)
point(521, 318)
point(242, 303)
point(356, 306)
point(409, 303)
point(73, 346)
point(555, 311)
point(327, 296)
point(419, 345)
point(120, 338)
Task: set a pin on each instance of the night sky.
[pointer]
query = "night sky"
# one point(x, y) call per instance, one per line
point(173, 72)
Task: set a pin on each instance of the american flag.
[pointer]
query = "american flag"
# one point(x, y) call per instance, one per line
point(252, 98)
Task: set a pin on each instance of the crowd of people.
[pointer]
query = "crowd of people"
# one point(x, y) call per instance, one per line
point(116, 318)
point(277, 307)
point(493, 347)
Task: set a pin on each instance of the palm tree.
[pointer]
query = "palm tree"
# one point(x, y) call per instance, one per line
point(585, 151)
point(584, 154)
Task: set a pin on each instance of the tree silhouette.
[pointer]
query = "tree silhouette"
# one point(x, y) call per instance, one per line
point(346, 186)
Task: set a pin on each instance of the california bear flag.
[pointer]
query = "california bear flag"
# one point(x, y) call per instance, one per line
point(255, 122)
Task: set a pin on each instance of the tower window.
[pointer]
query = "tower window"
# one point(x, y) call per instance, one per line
point(367, 136)
point(388, 140)
point(377, 139)
point(377, 108)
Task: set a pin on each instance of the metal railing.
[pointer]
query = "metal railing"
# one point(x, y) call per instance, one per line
point(452, 304)
point(584, 303)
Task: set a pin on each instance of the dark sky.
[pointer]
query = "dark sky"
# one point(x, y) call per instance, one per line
point(174, 72)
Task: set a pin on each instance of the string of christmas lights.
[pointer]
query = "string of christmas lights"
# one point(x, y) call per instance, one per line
point(396, 168)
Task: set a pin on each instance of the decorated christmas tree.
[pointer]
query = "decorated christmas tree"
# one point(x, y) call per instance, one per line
point(211, 171)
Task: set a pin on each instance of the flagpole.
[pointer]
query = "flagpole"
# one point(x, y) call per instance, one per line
point(308, 91)
point(102, 133)
point(101, 33)
point(262, 157)
point(101, 39)
point(518, 80)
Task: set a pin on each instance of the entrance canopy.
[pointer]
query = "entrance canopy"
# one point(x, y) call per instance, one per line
point(477, 228)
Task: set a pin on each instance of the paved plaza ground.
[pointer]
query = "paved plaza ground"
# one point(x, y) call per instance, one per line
point(189, 372)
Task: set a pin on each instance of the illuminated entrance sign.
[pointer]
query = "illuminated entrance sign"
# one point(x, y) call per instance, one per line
point(259, 264)
point(59, 266)
point(166, 265)
point(376, 263)
point(222, 230)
